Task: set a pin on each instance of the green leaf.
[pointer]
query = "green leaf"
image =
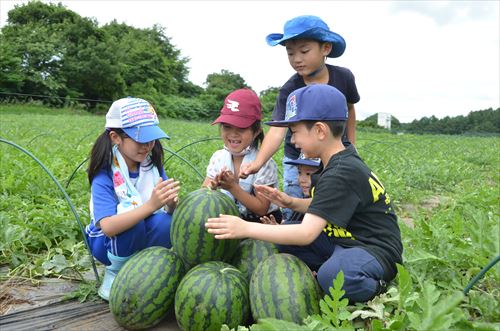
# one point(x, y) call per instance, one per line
point(272, 324)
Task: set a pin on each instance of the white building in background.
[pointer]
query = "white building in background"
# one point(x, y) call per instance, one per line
point(384, 120)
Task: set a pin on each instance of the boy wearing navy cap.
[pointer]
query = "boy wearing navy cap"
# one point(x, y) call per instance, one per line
point(308, 41)
point(349, 225)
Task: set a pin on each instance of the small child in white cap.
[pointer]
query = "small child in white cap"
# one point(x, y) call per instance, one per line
point(131, 196)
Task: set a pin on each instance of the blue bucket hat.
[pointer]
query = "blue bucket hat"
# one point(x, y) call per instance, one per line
point(137, 118)
point(316, 102)
point(302, 160)
point(308, 27)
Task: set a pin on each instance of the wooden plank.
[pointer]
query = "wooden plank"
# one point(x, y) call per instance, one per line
point(71, 315)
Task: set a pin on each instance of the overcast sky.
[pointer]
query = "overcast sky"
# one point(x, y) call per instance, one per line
point(410, 58)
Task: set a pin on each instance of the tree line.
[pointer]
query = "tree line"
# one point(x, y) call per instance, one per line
point(49, 51)
point(485, 121)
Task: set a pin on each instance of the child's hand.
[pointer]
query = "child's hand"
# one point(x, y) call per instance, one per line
point(227, 227)
point(269, 220)
point(227, 180)
point(164, 193)
point(274, 195)
point(173, 197)
point(248, 169)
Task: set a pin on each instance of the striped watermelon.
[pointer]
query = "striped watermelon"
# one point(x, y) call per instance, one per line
point(210, 295)
point(144, 288)
point(250, 253)
point(283, 287)
point(189, 236)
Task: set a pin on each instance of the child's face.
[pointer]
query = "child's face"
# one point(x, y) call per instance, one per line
point(305, 173)
point(236, 139)
point(306, 55)
point(305, 140)
point(132, 151)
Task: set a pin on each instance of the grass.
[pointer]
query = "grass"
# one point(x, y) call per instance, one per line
point(445, 187)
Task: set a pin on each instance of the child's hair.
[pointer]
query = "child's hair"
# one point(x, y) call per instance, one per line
point(257, 126)
point(336, 127)
point(101, 154)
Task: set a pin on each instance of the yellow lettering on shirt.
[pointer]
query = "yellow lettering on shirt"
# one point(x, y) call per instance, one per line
point(377, 187)
point(337, 232)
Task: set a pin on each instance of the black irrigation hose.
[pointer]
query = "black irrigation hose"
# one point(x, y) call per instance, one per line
point(74, 171)
point(186, 161)
point(68, 200)
point(481, 274)
point(194, 142)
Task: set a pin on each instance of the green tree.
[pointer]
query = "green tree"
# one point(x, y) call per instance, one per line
point(50, 50)
point(268, 100)
point(218, 86)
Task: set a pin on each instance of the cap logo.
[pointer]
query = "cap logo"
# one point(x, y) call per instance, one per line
point(232, 105)
point(291, 107)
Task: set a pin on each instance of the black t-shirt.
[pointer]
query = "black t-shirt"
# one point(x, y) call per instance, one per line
point(339, 77)
point(358, 210)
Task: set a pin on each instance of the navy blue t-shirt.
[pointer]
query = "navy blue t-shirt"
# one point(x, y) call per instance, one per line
point(339, 77)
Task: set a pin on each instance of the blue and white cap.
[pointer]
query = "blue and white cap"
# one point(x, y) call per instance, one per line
point(302, 160)
point(137, 118)
point(316, 102)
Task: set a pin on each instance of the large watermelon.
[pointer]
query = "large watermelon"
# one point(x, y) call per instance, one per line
point(283, 287)
point(189, 236)
point(144, 288)
point(210, 295)
point(250, 253)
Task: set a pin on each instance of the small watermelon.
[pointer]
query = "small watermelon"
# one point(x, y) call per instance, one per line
point(250, 253)
point(144, 289)
point(189, 236)
point(283, 287)
point(210, 295)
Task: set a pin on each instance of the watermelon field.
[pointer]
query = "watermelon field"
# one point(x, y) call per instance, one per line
point(445, 189)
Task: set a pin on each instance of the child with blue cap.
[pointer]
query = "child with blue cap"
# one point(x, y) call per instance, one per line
point(349, 224)
point(132, 199)
point(308, 41)
point(307, 169)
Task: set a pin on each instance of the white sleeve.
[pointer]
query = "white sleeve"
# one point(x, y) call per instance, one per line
point(215, 164)
point(268, 174)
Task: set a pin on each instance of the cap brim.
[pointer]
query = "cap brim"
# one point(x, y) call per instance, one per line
point(145, 134)
point(237, 121)
point(304, 162)
point(280, 123)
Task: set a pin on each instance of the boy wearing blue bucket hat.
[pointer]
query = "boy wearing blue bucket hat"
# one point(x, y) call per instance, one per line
point(308, 41)
point(349, 224)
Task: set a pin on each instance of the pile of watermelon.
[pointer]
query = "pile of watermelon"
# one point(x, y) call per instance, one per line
point(232, 282)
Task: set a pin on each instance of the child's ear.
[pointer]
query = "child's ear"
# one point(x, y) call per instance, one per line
point(326, 48)
point(256, 133)
point(321, 130)
point(114, 137)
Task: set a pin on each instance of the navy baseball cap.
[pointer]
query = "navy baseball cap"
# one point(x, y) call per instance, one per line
point(302, 160)
point(316, 102)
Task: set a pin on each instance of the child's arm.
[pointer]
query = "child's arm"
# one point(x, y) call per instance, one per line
point(259, 205)
point(282, 199)
point(271, 143)
point(351, 123)
point(164, 193)
point(233, 227)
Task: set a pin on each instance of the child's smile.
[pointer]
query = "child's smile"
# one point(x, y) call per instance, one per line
point(236, 139)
